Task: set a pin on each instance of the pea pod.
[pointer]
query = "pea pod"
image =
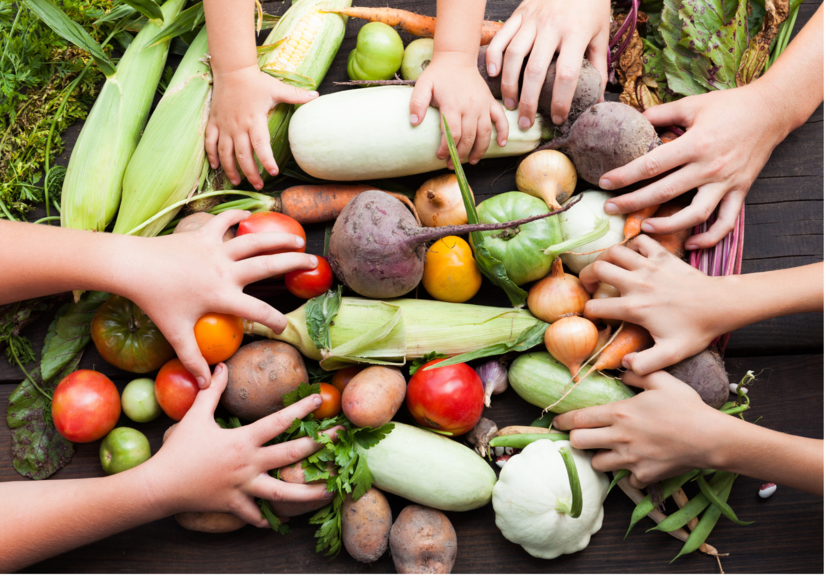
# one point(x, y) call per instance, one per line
point(668, 486)
point(720, 504)
point(525, 440)
point(707, 522)
point(619, 476)
point(694, 507)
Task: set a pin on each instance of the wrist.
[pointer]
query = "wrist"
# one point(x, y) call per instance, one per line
point(773, 102)
point(455, 58)
point(241, 70)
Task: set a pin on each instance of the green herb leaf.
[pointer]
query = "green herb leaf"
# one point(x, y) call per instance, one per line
point(303, 391)
point(368, 437)
point(16, 317)
point(233, 422)
point(272, 519)
point(529, 338)
point(319, 314)
point(186, 21)
point(417, 363)
point(147, 8)
point(72, 333)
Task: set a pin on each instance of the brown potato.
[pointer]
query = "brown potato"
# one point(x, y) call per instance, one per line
point(366, 526)
point(210, 522)
point(373, 396)
point(423, 541)
point(295, 474)
point(196, 221)
point(259, 374)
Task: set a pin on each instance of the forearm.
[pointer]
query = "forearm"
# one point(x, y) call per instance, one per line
point(46, 518)
point(748, 449)
point(231, 38)
point(458, 30)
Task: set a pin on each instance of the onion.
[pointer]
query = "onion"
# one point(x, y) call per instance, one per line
point(571, 340)
point(439, 202)
point(606, 291)
point(557, 295)
point(548, 175)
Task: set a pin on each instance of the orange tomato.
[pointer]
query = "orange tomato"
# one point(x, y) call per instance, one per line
point(218, 336)
point(343, 376)
point(331, 402)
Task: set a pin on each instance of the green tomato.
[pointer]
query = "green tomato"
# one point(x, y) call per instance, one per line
point(378, 54)
point(520, 250)
point(416, 58)
point(139, 400)
point(122, 449)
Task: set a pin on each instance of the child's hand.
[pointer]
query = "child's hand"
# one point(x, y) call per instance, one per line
point(453, 84)
point(681, 307)
point(178, 278)
point(238, 124)
point(664, 431)
point(540, 28)
point(205, 468)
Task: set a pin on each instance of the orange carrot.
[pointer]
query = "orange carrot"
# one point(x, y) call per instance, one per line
point(676, 241)
point(630, 338)
point(414, 24)
point(313, 203)
point(634, 221)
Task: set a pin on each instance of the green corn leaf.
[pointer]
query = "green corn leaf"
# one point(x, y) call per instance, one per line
point(299, 81)
point(146, 8)
point(319, 313)
point(116, 14)
point(186, 21)
point(529, 338)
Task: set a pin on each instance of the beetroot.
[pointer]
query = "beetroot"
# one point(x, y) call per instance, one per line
point(706, 374)
point(607, 136)
point(377, 248)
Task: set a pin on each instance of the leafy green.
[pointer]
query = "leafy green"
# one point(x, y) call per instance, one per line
point(72, 333)
point(303, 391)
point(232, 422)
point(529, 338)
point(16, 317)
point(319, 313)
point(272, 519)
point(677, 59)
point(417, 363)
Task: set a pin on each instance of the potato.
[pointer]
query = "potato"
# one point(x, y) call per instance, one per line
point(423, 541)
point(366, 526)
point(294, 474)
point(210, 522)
point(259, 374)
point(373, 396)
point(196, 221)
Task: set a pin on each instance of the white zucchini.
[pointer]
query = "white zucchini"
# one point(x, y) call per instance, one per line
point(430, 469)
point(580, 220)
point(365, 134)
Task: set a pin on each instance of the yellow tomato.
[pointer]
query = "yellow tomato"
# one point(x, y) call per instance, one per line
point(450, 271)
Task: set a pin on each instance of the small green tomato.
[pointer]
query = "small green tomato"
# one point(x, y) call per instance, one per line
point(378, 54)
point(139, 400)
point(122, 449)
point(416, 58)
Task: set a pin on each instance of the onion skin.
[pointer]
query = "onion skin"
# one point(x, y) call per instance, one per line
point(570, 341)
point(439, 202)
point(548, 175)
point(557, 295)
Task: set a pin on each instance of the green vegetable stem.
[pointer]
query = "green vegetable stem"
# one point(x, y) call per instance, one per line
point(525, 440)
point(576, 488)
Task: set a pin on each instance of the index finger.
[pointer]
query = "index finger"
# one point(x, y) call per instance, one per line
point(568, 69)
point(275, 424)
point(591, 417)
point(655, 162)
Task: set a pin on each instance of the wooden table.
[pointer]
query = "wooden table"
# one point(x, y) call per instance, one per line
point(784, 229)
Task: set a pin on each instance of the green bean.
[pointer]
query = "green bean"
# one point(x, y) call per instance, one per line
point(694, 507)
point(706, 524)
point(720, 504)
point(668, 486)
point(524, 440)
point(620, 475)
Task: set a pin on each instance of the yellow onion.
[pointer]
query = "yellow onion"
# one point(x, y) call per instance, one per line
point(548, 175)
point(557, 295)
point(439, 202)
point(606, 291)
point(571, 340)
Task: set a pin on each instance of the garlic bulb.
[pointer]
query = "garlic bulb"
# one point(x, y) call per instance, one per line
point(557, 295)
point(571, 340)
point(548, 175)
point(439, 202)
point(493, 375)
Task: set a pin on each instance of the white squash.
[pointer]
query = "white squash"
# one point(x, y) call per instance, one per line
point(532, 490)
point(581, 219)
point(365, 134)
point(430, 469)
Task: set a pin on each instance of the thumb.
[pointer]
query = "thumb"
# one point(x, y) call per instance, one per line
point(289, 94)
point(191, 357)
point(658, 357)
point(208, 398)
point(420, 100)
point(675, 113)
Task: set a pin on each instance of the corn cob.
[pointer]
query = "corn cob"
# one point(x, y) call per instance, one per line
point(170, 159)
point(92, 188)
point(392, 332)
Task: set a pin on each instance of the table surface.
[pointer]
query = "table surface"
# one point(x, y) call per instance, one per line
point(784, 228)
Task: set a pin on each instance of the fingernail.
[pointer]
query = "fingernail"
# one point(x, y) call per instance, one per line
point(315, 94)
point(214, 166)
point(646, 227)
point(503, 142)
point(557, 120)
point(235, 182)
point(473, 161)
point(625, 363)
point(317, 401)
point(605, 184)
point(218, 369)
point(413, 119)
point(556, 423)
point(692, 247)
point(274, 172)
point(328, 494)
point(509, 103)
point(524, 122)
point(314, 262)
point(611, 208)
point(298, 240)
point(200, 381)
point(491, 69)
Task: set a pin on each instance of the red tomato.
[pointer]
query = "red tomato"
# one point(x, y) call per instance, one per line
point(271, 222)
point(449, 399)
point(331, 402)
point(85, 406)
point(343, 376)
point(312, 282)
point(176, 389)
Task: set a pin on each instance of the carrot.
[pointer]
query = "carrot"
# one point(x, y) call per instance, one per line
point(629, 338)
point(676, 241)
point(313, 203)
point(634, 221)
point(414, 24)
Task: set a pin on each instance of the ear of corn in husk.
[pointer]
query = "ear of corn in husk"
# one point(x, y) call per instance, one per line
point(170, 161)
point(92, 187)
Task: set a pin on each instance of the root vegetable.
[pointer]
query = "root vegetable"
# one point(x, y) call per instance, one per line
point(439, 202)
point(634, 221)
point(629, 338)
point(676, 241)
point(706, 374)
point(314, 203)
point(423, 541)
point(377, 248)
point(295, 474)
point(374, 396)
point(367, 523)
point(606, 136)
point(557, 295)
point(571, 340)
point(493, 375)
point(195, 221)
point(480, 436)
point(209, 522)
point(548, 175)
point(259, 374)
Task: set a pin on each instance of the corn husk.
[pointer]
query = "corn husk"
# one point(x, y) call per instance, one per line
point(170, 161)
point(92, 188)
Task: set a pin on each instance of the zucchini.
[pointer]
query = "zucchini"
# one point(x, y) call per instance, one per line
point(365, 134)
point(430, 469)
point(541, 380)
